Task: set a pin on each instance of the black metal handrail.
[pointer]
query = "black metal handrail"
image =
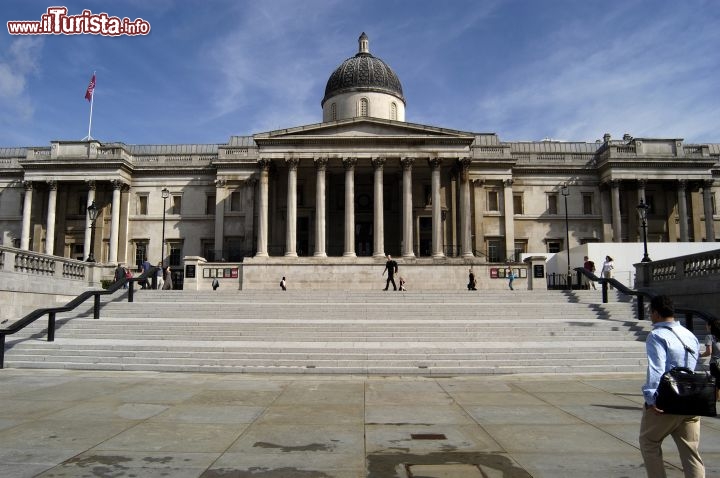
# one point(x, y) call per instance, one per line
point(73, 304)
point(642, 294)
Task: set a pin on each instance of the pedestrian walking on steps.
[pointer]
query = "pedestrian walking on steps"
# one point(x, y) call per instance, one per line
point(391, 267)
point(511, 278)
point(283, 283)
point(472, 281)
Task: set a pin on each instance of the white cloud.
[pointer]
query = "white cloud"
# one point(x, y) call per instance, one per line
point(17, 64)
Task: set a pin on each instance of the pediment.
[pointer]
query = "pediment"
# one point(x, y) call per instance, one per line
point(363, 128)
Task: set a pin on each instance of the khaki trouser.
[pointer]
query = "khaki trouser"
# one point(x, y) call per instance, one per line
point(685, 431)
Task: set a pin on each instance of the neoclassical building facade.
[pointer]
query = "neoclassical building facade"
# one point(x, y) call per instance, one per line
point(364, 182)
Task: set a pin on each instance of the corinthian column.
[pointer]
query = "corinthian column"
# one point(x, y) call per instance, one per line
point(682, 210)
point(437, 242)
point(349, 165)
point(88, 222)
point(509, 220)
point(320, 166)
point(262, 234)
point(378, 219)
point(50, 232)
point(407, 245)
point(465, 221)
point(27, 211)
point(220, 195)
point(708, 209)
point(615, 201)
point(115, 221)
point(291, 229)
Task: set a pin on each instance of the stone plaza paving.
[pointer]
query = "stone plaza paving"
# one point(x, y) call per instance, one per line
point(61, 423)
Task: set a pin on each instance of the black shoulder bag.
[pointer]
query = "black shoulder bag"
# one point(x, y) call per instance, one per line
point(686, 392)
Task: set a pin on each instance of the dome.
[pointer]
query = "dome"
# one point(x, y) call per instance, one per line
point(363, 72)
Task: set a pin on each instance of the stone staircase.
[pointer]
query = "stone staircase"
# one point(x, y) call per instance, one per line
point(425, 333)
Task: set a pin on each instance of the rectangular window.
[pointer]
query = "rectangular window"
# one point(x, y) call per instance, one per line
point(140, 252)
point(175, 253)
point(587, 199)
point(554, 246)
point(142, 205)
point(210, 205)
point(520, 248)
point(494, 246)
point(208, 249)
point(235, 201)
point(650, 201)
point(301, 194)
point(82, 204)
point(552, 204)
point(492, 201)
point(176, 204)
point(518, 204)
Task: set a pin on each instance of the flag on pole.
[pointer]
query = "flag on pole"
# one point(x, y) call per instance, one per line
point(90, 89)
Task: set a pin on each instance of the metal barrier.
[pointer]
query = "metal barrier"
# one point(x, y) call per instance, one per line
point(77, 301)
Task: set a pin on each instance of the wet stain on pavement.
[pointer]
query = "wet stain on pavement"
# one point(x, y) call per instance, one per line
point(258, 472)
point(386, 465)
point(288, 449)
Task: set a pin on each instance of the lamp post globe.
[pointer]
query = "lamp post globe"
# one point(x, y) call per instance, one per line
point(92, 212)
point(643, 209)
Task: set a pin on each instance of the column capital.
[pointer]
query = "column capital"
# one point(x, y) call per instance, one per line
point(614, 183)
point(321, 163)
point(378, 163)
point(52, 184)
point(464, 163)
point(220, 183)
point(28, 185)
point(349, 163)
point(250, 181)
point(117, 184)
point(642, 183)
point(292, 163)
point(708, 183)
point(434, 162)
point(91, 185)
point(407, 162)
point(682, 184)
point(508, 183)
point(264, 164)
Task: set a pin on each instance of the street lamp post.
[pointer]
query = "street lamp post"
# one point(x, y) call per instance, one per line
point(642, 209)
point(92, 211)
point(565, 191)
point(165, 196)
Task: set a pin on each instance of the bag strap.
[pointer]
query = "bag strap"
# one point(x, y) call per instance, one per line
point(688, 350)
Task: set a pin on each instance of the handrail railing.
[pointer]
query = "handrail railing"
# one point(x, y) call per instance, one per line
point(74, 303)
point(641, 294)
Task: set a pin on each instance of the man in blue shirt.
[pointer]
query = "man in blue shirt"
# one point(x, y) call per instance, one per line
point(665, 351)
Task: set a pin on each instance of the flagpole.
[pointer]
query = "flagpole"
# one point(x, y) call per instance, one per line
point(92, 100)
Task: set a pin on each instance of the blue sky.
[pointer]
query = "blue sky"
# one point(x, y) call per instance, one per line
point(527, 70)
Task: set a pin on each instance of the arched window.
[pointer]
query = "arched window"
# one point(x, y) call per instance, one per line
point(393, 111)
point(363, 107)
point(333, 112)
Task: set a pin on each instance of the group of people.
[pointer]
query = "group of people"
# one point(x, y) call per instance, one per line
point(606, 272)
point(163, 275)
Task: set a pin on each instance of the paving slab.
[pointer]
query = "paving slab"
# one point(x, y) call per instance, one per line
point(71, 423)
